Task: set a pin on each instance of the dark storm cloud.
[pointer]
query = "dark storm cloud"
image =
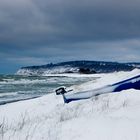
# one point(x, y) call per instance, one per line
point(40, 31)
point(41, 22)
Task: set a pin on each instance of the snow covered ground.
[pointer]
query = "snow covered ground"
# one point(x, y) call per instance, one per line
point(112, 116)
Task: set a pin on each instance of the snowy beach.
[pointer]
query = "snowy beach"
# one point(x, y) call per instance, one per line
point(112, 116)
point(69, 70)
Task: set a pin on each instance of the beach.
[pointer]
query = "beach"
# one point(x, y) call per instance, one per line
point(105, 117)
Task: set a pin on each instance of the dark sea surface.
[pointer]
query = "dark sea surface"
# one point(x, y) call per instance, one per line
point(15, 88)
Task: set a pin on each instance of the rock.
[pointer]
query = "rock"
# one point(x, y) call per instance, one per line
point(86, 71)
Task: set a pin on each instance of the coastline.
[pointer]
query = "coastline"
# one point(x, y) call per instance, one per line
point(47, 117)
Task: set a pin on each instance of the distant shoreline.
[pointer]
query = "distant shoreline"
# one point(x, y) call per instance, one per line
point(17, 100)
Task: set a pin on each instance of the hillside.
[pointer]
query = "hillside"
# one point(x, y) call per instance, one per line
point(83, 67)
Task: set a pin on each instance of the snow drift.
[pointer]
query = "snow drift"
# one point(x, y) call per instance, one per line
point(106, 117)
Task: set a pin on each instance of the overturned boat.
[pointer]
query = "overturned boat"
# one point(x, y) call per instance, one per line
point(133, 82)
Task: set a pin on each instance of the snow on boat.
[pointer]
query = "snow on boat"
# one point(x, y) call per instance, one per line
point(133, 82)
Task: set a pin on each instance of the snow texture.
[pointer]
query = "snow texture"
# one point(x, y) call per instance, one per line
point(112, 116)
point(42, 71)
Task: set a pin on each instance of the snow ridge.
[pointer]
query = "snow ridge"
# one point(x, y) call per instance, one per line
point(110, 116)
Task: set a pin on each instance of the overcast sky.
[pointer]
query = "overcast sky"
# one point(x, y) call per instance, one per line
point(34, 32)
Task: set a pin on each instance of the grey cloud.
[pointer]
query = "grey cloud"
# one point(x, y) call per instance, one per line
point(39, 31)
point(44, 22)
point(109, 51)
point(123, 51)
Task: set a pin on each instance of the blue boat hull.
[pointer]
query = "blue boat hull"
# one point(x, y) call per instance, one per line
point(133, 82)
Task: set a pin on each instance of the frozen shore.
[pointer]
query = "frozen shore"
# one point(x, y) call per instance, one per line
point(113, 116)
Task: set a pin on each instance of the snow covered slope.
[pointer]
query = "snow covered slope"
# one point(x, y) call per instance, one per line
point(88, 67)
point(45, 71)
point(113, 116)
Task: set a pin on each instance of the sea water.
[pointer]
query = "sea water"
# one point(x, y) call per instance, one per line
point(15, 88)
